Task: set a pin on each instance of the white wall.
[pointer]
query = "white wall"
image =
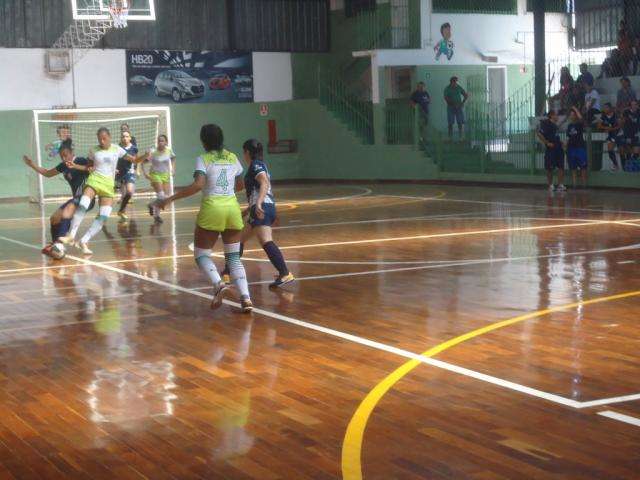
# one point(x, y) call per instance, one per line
point(272, 77)
point(508, 37)
point(100, 80)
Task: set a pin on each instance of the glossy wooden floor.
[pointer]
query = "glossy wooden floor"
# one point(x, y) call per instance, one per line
point(116, 368)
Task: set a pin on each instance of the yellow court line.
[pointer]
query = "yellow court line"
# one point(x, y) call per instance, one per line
point(352, 443)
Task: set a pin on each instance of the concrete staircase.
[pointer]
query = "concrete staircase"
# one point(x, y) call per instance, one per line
point(346, 157)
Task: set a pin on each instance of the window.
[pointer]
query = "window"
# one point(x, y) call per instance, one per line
point(506, 7)
point(354, 7)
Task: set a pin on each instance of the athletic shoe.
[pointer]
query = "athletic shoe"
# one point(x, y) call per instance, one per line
point(68, 240)
point(123, 217)
point(246, 306)
point(152, 210)
point(218, 295)
point(562, 188)
point(226, 279)
point(84, 247)
point(281, 281)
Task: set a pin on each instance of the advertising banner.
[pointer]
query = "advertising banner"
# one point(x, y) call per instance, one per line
point(167, 76)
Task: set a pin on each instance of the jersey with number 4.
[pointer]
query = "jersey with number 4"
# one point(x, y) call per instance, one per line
point(221, 169)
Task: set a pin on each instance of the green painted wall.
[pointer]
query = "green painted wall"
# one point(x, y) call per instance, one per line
point(15, 138)
point(437, 78)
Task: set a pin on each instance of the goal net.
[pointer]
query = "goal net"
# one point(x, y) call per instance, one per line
point(51, 127)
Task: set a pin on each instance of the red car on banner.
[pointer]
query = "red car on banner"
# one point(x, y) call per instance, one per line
point(220, 82)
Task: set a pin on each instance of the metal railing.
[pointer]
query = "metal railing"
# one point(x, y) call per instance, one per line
point(391, 25)
point(506, 7)
point(357, 114)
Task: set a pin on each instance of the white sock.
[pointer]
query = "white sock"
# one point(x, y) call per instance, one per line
point(236, 269)
point(81, 211)
point(97, 224)
point(206, 265)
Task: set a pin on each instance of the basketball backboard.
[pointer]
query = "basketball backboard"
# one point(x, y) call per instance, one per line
point(99, 9)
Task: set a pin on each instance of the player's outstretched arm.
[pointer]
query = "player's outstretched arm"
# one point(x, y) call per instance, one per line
point(136, 158)
point(42, 171)
point(195, 187)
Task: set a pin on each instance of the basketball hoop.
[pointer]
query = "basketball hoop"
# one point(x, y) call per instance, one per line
point(119, 10)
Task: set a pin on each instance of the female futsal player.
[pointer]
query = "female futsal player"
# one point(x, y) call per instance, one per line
point(217, 174)
point(163, 164)
point(126, 174)
point(101, 184)
point(262, 210)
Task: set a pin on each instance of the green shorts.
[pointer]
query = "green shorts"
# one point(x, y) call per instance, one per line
point(159, 177)
point(218, 214)
point(104, 186)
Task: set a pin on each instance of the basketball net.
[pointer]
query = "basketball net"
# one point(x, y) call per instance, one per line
point(119, 10)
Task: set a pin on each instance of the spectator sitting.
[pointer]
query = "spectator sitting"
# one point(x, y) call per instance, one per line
point(591, 103)
point(626, 94)
point(585, 79)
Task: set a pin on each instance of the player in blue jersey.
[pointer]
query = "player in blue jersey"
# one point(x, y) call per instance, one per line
point(75, 171)
point(126, 173)
point(609, 124)
point(262, 210)
point(576, 147)
point(554, 154)
point(632, 136)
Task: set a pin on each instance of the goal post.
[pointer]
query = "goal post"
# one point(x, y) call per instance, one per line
point(51, 127)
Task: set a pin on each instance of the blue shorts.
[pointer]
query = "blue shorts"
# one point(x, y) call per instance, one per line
point(554, 158)
point(455, 115)
point(126, 178)
point(577, 158)
point(269, 216)
point(612, 139)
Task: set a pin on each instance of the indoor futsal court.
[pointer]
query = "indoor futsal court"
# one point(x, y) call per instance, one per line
point(320, 239)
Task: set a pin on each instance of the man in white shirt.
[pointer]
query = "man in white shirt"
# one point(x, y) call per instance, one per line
point(591, 103)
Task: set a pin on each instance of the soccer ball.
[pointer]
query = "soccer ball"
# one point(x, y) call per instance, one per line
point(57, 251)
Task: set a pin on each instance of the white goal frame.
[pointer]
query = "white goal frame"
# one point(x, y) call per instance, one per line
point(132, 111)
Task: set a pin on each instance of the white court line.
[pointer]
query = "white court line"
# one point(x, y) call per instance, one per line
point(508, 204)
point(364, 192)
point(607, 401)
point(69, 297)
point(361, 222)
point(621, 417)
point(461, 263)
point(342, 335)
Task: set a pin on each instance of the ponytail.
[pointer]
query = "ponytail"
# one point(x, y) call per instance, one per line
point(254, 148)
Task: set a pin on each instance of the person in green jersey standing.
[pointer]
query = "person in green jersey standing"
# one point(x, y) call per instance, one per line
point(455, 96)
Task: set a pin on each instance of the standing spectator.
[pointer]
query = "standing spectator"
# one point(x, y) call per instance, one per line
point(568, 94)
point(635, 58)
point(585, 78)
point(591, 103)
point(455, 96)
point(420, 98)
point(626, 94)
point(554, 153)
